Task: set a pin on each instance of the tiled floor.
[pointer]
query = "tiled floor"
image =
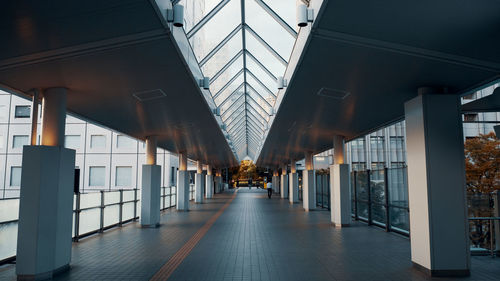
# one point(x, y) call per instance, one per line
point(254, 239)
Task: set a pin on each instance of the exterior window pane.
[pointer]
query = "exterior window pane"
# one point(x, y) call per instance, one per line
point(97, 176)
point(123, 176)
point(97, 141)
point(23, 111)
point(19, 141)
point(124, 142)
point(15, 176)
point(72, 141)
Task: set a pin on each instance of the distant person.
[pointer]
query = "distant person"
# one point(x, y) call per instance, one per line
point(269, 189)
point(250, 184)
point(238, 183)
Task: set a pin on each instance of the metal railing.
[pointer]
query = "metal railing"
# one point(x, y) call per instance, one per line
point(483, 234)
point(380, 198)
point(93, 212)
point(323, 191)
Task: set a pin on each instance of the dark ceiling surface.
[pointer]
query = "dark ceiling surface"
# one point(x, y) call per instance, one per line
point(380, 53)
point(105, 52)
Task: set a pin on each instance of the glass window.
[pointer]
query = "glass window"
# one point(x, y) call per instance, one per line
point(23, 111)
point(230, 89)
point(19, 141)
point(124, 142)
point(195, 10)
point(225, 76)
point(72, 141)
point(15, 176)
point(3, 112)
point(216, 29)
point(264, 56)
point(97, 176)
point(97, 141)
point(223, 56)
point(285, 9)
point(123, 176)
point(471, 117)
point(269, 29)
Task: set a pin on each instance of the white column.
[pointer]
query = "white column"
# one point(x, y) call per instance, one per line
point(340, 192)
point(436, 184)
point(182, 184)
point(294, 184)
point(199, 183)
point(275, 181)
point(309, 184)
point(46, 201)
point(209, 184)
point(34, 116)
point(218, 181)
point(151, 186)
point(284, 182)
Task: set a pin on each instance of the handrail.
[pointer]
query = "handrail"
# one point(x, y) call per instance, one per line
point(102, 206)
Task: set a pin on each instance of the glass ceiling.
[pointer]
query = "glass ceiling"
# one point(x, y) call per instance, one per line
point(243, 46)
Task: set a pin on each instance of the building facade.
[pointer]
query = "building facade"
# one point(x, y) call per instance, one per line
point(107, 159)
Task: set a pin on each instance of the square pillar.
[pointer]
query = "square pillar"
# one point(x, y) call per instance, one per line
point(182, 190)
point(294, 188)
point(309, 190)
point(209, 186)
point(45, 211)
point(436, 185)
point(275, 183)
point(284, 185)
point(150, 195)
point(199, 183)
point(340, 195)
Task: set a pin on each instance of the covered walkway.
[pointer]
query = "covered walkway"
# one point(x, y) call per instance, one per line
point(254, 238)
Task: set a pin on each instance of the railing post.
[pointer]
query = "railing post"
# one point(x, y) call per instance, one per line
point(386, 192)
point(492, 251)
point(77, 218)
point(120, 215)
point(135, 204)
point(101, 224)
point(355, 189)
point(368, 184)
point(329, 188)
point(164, 189)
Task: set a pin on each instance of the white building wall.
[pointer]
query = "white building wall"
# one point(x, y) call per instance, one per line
point(114, 153)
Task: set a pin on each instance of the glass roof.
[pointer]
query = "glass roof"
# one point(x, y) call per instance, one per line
point(243, 46)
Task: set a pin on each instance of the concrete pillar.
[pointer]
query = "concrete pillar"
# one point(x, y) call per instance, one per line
point(46, 201)
point(340, 192)
point(199, 183)
point(436, 184)
point(209, 184)
point(182, 183)
point(151, 186)
point(294, 184)
point(34, 116)
point(309, 184)
point(275, 181)
point(284, 182)
point(53, 116)
point(218, 181)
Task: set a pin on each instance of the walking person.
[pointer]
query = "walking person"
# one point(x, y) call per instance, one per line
point(269, 189)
